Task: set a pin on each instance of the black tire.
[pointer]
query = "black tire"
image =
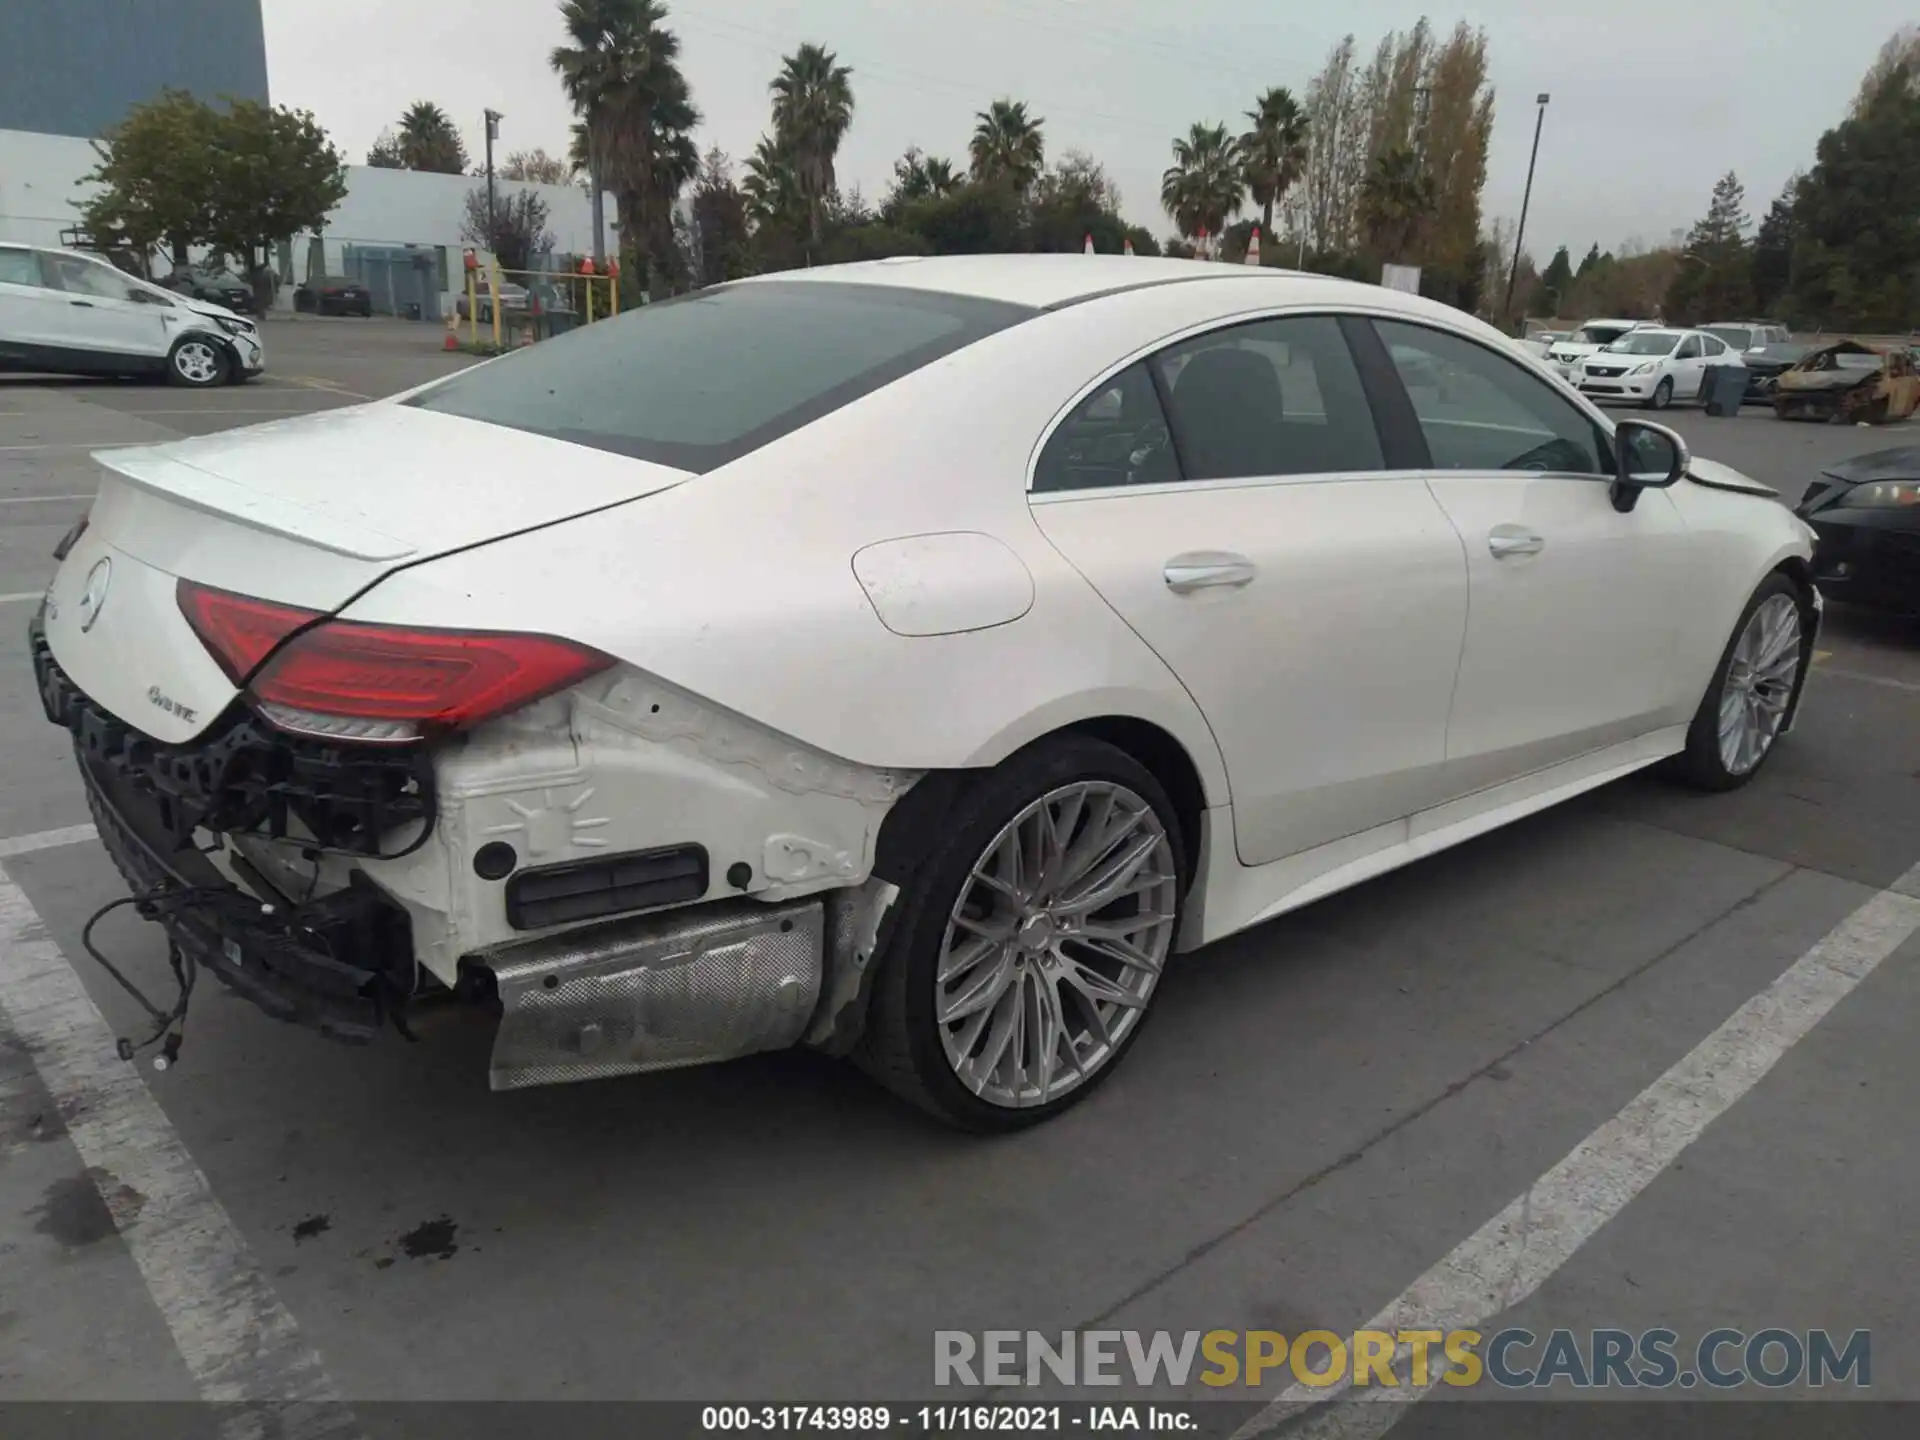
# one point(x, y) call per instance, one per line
point(198, 362)
point(1701, 765)
point(902, 1046)
point(1662, 394)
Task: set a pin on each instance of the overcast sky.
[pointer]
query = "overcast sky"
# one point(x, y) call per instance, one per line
point(1652, 99)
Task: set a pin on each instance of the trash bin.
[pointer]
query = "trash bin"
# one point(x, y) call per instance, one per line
point(413, 310)
point(1722, 389)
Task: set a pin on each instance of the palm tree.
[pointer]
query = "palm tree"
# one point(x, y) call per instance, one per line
point(769, 182)
point(1203, 186)
point(619, 67)
point(812, 109)
point(429, 141)
point(1274, 152)
point(1395, 199)
point(918, 177)
point(1007, 145)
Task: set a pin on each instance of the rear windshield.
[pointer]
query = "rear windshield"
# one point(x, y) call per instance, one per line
point(704, 379)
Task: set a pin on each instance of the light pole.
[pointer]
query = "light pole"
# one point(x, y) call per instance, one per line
point(493, 215)
point(1526, 198)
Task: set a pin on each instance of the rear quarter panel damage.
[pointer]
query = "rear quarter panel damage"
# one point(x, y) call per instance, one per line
point(628, 763)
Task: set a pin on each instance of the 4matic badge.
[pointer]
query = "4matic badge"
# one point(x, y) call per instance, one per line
point(155, 696)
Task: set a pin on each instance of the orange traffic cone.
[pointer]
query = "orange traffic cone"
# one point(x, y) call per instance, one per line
point(1127, 249)
point(1253, 247)
point(1089, 245)
point(452, 342)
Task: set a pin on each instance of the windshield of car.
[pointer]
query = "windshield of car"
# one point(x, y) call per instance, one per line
point(1738, 338)
point(704, 379)
point(1599, 334)
point(1848, 360)
point(1644, 342)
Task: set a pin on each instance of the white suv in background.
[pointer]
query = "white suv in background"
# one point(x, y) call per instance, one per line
point(1566, 354)
point(69, 313)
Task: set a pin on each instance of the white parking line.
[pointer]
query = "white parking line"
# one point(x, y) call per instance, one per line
point(1516, 1251)
point(38, 499)
point(15, 596)
point(77, 445)
point(238, 1340)
point(46, 839)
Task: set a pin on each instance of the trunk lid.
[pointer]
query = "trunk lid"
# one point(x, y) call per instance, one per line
point(307, 512)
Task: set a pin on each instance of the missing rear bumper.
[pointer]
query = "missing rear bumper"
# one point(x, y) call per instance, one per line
point(656, 992)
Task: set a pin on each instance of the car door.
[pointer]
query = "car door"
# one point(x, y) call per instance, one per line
point(1574, 626)
point(1689, 368)
point(109, 318)
point(32, 317)
point(1229, 498)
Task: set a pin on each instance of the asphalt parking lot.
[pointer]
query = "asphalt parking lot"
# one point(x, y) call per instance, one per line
point(1325, 1110)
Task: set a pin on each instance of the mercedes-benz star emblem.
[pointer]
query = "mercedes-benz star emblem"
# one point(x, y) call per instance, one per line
point(95, 594)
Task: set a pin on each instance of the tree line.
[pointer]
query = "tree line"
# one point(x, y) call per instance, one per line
point(1838, 248)
point(1374, 163)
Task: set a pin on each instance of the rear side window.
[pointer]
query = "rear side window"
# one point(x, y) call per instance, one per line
point(1275, 397)
point(18, 267)
point(702, 380)
point(1117, 436)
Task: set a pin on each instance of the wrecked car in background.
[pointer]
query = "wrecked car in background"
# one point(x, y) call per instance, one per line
point(1849, 381)
point(1766, 364)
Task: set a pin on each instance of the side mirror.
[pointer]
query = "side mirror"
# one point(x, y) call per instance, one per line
point(1645, 457)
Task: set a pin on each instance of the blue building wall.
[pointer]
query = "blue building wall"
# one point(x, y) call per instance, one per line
point(73, 67)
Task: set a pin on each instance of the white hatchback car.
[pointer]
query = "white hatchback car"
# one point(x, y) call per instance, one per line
point(69, 313)
point(907, 659)
point(1652, 367)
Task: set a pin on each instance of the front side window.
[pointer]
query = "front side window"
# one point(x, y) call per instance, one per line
point(702, 380)
point(1482, 411)
point(1275, 397)
point(80, 276)
point(1116, 436)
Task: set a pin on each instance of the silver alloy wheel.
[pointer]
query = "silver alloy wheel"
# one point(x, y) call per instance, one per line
point(197, 361)
point(1759, 685)
point(1056, 943)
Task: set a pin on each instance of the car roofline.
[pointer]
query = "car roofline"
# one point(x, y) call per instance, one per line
point(1223, 272)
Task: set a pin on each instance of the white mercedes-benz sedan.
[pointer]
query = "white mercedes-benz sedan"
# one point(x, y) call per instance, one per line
point(908, 660)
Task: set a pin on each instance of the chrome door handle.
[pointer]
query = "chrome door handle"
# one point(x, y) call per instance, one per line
point(84, 304)
point(1508, 540)
point(1201, 569)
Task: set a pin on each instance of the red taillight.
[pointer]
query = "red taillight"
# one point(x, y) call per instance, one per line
point(397, 679)
point(238, 630)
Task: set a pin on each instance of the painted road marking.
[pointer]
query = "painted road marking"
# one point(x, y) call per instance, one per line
point(18, 595)
point(46, 839)
point(78, 445)
point(1820, 655)
point(38, 499)
point(238, 1340)
point(315, 382)
point(1516, 1251)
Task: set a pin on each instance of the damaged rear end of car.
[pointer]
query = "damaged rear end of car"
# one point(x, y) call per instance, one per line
point(351, 807)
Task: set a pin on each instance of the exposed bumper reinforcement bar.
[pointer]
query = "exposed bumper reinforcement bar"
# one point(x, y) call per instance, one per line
point(656, 992)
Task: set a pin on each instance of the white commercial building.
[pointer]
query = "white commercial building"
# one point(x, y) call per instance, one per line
point(42, 188)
